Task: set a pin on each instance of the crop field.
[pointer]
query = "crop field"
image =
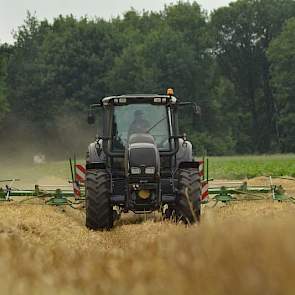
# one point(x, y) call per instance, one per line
point(236, 167)
point(252, 166)
point(240, 248)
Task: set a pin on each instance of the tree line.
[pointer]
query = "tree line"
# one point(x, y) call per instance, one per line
point(237, 63)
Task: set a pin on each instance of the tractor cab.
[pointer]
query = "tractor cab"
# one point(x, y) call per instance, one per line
point(126, 115)
point(140, 161)
point(141, 118)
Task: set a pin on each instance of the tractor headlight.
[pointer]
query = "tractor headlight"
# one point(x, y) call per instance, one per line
point(150, 170)
point(135, 170)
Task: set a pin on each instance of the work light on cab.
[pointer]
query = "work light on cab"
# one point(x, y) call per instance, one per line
point(170, 91)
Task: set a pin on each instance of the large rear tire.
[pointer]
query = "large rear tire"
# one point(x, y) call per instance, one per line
point(188, 204)
point(99, 213)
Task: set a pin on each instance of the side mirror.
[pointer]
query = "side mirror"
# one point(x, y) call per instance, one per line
point(197, 109)
point(91, 118)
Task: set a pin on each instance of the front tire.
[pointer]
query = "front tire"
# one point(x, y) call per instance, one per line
point(99, 213)
point(188, 204)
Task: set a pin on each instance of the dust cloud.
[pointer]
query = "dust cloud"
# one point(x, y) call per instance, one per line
point(67, 135)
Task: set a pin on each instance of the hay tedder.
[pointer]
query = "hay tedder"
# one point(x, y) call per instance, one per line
point(212, 192)
point(73, 194)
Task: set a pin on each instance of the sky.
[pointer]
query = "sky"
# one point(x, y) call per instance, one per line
point(13, 12)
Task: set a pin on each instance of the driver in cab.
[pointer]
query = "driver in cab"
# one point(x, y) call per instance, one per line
point(139, 124)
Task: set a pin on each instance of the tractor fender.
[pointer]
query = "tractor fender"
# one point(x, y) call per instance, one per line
point(185, 152)
point(95, 153)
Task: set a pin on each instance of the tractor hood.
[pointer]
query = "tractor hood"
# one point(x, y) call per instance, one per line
point(143, 155)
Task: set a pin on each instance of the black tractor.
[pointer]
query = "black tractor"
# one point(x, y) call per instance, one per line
point(140, 162)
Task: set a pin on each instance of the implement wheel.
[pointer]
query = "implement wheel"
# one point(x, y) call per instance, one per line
point(99, 213)
point(188, 204)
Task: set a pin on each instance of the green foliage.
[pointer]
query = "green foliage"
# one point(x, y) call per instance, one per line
point(243, 32)
point(207, 144)
point(282, 56)
point(70, 60)
point(57, 69)
point(241, 167)
point(24, 74)
point(4, 107)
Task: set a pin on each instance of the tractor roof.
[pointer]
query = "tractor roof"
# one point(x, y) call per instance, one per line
point(138, 98)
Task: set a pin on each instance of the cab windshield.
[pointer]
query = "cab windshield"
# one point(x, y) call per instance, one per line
point(140, 118)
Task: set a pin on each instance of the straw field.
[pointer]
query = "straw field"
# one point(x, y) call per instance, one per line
point(242, 248)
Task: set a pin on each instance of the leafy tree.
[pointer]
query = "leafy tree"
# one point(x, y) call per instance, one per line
point(55, 70)
point(58, 64)
point(243, 31)
point(282, 56)
point(24, 75)
point(5, 51)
